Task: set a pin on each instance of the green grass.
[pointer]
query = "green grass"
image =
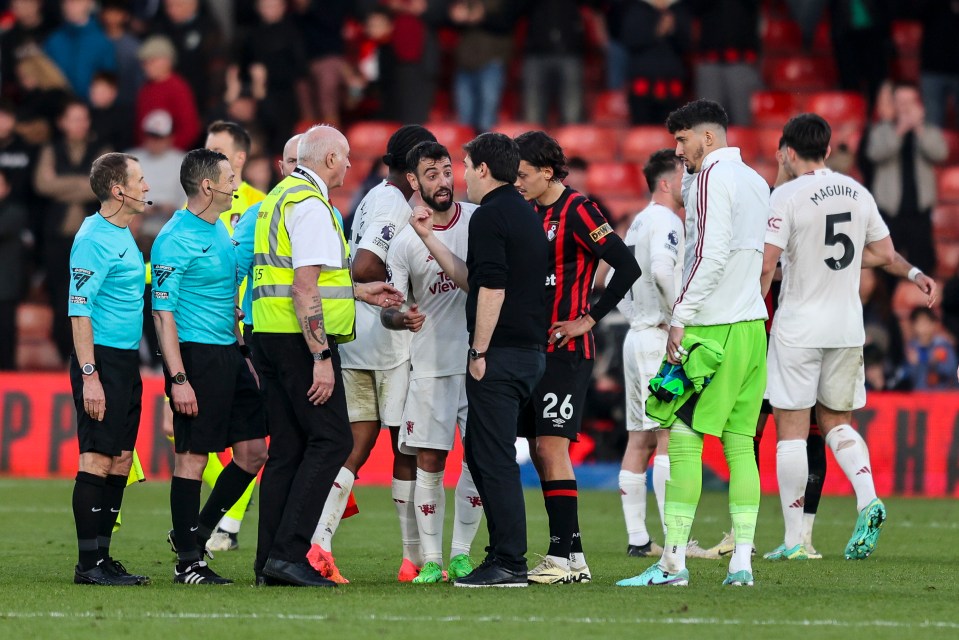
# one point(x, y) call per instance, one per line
point(908, 588)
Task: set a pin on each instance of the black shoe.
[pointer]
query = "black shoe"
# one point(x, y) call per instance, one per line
point(297, 574)
point(199, 573)
point(116, 568)
point(102, 576)
point(267, 581)
point(639, 551)
point(493, 574)
point(171, 540)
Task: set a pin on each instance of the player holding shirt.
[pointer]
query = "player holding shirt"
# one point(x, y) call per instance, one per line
point(826, 227)
point(376, 366)
point(656, 239)
point(215, 399)
point(436, 401)
point(106, 310)
point(579, 236)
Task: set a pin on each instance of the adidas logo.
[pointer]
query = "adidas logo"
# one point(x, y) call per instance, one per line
point(798, 504)
point(864, 470)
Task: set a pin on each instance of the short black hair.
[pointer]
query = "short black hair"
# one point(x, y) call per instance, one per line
point(199, 165)
point(241, 137)
point(107, 171)
point(425, 151)
point(401, 142)
point(106, 76)
point(808, 135)
point(696, 113)
point(541, 151)
point(919, 312)
point(577, 164)
point(659, 164)
point(498, 151)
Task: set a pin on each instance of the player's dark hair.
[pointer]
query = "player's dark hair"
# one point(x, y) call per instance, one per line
point(199, 165)
point(541, 151)
point(400, 144)
point(107, 171)
point(696, 113)
point(808, 135)
point(498, 151)
point(241, 138)
point(660, 163)
point(425, 151)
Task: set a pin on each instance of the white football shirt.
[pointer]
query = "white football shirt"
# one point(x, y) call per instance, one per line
point(439, 347)
point(381, 215)
point(822, 221)
point(656, 239)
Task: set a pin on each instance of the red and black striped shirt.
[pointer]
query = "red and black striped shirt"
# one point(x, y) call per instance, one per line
point(577, 232)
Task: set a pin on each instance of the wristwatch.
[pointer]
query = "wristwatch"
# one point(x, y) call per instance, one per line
point(326, 354)
point(88, 369)
point(476, 355)
point(179, 378)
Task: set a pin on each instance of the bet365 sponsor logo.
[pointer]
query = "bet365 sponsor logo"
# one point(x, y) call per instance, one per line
point(80, 277)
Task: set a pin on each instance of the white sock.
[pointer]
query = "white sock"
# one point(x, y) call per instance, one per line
point(632, 491)
point(674, 558)
point(467, 513)
point(430, 500)
point(577, 560)
point(228, 524)
point(742, 559)
point(808, 520)
point(853, 456)
point(333, 509)
point(405, 505)
point(792, 471)
point(660, 476)
point(560, 562)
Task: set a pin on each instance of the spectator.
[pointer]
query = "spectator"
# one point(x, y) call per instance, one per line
point(939, 57)
point(727, 55)
point(270, 59)
point(112, 121)
point(63, 176)
point(161, 161)
point(200, 55)
point(164, 89)
point(656, 34)
point(874, 366)
point(115, 18)
point(862, 43)
point(16, 157)
point(576, 179)
point(881, 325)
point(931, 359)
point(904, 152)
point(553, 62)
point(373, 77)
point(79, 46)
point(322, 34)
point(29, 30)
point(883, 110)
point(13, 226)
point(44, 91)
point(484, 47)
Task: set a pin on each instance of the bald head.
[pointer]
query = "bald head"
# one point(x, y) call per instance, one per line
point(290, 155)
point(325, 150)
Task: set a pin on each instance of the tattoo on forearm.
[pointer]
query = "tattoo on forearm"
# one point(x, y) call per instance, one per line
point(388, 318)
point(313, 324)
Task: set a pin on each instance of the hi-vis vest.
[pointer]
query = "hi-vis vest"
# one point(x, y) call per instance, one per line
point(273, 310)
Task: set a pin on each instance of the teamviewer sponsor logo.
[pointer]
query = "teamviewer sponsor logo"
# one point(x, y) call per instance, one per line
point(80, 277)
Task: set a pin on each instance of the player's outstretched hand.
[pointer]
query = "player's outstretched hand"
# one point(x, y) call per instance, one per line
point(378, 294)
point(422, 221)
point(928, 286)
point(413, 318)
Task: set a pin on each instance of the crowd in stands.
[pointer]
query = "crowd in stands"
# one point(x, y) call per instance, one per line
point(79, 77)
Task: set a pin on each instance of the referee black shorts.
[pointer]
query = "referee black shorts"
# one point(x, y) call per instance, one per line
point(119, 372)
point(556, 406)
point(229, 406)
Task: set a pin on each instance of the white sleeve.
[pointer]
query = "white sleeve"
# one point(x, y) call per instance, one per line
point(712, 250)
point(876, 228)
point(663, 255)
point(314, 238)
point(387, 219)
point(779, 223)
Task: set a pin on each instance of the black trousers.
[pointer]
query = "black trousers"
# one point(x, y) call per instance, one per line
point(494, 404)
point(308, 446)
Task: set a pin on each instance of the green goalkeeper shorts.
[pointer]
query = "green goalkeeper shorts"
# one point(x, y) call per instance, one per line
point(732, 400)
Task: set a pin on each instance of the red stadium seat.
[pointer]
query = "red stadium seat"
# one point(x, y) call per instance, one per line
point(640, 143)
point(594, 143)
point(839, 108)
point(773, 108)
point(952, 141)
point(614, 179)
point(949, 185)
point(945, 222)
point(611, 108)
point(624, 207)
point(513, 129)
point(799, 73)
point(907, 35)
point(453, 136)
point(768, 170)
point(747, 139)
point(781, 36)
point(359, 169)
point(368, 139)
point(947, 258)
point(768, 142)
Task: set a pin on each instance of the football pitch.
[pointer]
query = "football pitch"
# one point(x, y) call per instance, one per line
point(908, 588)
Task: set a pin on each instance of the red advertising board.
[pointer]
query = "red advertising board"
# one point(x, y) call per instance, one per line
point(913, 439)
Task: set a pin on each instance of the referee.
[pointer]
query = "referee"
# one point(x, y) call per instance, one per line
point(303, 305)
point(215, 399)
point(106, 309)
